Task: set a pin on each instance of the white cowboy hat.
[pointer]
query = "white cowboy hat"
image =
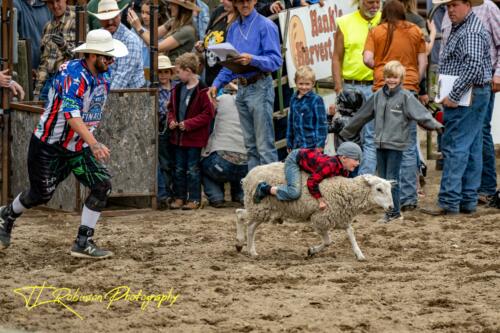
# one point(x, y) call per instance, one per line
point(164, 62)
point(472, 2)
point(101, 42)
point(107, 9)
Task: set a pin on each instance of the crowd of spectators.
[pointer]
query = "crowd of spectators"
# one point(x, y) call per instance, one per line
point(217, 140)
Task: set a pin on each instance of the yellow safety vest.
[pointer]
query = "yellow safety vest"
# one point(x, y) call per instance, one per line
point(355, 30)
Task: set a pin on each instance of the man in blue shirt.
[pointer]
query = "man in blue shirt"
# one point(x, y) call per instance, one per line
point(256, 39)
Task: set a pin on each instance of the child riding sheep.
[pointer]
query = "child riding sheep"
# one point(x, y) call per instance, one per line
point(319, 165)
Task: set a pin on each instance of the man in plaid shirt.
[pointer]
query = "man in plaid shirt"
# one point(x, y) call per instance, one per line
point(489, 14)
point(126, 72)
point(467, 56)
point(318, 165)
point(58, 40)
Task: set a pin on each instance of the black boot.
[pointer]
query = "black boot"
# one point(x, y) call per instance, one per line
point(84, 246)
point(7, 219)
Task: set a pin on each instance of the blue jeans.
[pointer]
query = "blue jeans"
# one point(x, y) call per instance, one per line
point(369, 161)
point(293, 187)
point(162, 189)
point(166, 157)
point(489, 174)
point(409, 170)
point(255, 104)
point(187, 178)
point(388, 167)
point(462, 146)
point(216, 171)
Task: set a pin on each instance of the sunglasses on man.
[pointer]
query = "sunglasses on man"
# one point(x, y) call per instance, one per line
point(109, 59)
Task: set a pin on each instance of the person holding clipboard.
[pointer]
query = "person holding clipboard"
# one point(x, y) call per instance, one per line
point(257, 41)
point(466, 56)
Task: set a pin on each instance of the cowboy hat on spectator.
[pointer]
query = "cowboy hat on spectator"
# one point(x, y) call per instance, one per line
point(101, 42)
point(164, 62)
point(188, 4)
point(107, 9)
point(472, 2)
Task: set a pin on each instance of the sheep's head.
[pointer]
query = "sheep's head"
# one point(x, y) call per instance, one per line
point(380, 191)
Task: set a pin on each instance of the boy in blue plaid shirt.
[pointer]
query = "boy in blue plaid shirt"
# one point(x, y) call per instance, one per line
point(307, 124)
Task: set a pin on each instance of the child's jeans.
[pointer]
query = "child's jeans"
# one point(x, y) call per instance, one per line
point(187, 178)
point(166, 155)
point(293, 187)
point(388, 167)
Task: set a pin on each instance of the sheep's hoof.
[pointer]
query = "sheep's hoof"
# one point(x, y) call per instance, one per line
point(239, 247)
point(310, 252)
point(361, 258)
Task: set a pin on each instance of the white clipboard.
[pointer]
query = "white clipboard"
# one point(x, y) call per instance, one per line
point(224, 51)
point(445, 85)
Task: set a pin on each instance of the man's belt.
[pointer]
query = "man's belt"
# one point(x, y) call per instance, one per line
point(484, 85)
point(362, 83)
point(252, 79)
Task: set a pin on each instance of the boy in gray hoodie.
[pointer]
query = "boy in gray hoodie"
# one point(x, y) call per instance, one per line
point(393, 108)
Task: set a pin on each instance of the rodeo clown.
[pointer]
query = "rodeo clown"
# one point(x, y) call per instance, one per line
point(63, 141)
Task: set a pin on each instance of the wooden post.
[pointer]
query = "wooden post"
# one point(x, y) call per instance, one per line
point(7, 46)
point(81, 35)
point(81, 22)
point(153, 77)
point(280, 70)
point(153, 43)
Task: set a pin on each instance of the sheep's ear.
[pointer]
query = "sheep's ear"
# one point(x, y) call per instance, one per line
point(371, 179)
point(392, 182)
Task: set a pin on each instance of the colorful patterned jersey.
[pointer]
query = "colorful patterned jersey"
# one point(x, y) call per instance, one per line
point(76, 92)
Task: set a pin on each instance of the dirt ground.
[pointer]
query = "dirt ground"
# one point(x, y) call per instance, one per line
point(423, 274)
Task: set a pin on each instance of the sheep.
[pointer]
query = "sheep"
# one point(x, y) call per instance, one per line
point(346, 198)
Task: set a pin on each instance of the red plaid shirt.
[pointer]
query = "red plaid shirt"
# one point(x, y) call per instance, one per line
point(320, 166)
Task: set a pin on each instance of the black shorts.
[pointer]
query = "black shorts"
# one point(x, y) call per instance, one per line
point(49, 165)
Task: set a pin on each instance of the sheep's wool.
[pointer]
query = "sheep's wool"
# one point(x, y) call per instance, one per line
point(346, 198)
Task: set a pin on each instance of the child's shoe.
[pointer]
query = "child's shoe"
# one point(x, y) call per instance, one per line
point(177, 204)
point(261, 191)
point(408, 208)
point(495, 200)
point(190, 205)
point(217, 204)
point(390, 217)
